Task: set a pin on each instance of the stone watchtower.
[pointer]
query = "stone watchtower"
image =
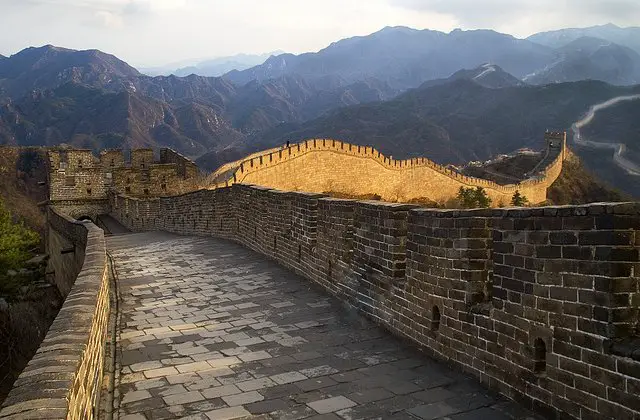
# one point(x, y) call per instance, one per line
point(557, 141)
point(80, 183)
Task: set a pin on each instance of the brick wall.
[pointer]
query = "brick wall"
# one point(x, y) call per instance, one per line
point(63, 379)
point(538, 303)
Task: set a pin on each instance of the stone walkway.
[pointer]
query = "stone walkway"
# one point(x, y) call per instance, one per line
point(211, 330)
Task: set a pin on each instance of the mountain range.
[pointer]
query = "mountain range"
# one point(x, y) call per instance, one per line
point(466, 95)
point(405, 58)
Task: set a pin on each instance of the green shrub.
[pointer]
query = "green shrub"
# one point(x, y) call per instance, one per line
point(519, 200)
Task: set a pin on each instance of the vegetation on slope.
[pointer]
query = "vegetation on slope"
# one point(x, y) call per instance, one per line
point(17, 244)
point(28, 304)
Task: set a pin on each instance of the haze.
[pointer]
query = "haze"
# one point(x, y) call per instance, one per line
point(157, 32)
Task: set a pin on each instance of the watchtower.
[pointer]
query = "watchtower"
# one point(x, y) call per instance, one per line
point(557, 140)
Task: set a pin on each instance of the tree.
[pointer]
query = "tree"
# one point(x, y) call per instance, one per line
point(466, 197)
point(470, 198)
point(16, 241)
point(518, 200)
point(482, 198)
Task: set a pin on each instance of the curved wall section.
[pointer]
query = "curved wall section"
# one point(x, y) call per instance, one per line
point(323, 165)
point(64, 377)
point(541, 304)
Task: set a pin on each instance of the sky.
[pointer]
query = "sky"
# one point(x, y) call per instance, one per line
point(149, 33)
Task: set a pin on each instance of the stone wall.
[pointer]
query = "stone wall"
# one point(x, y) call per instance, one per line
point(538, 303)
point(63, 379)
point(323, 165)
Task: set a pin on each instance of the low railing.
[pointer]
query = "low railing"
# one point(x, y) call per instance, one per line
point(63, 379)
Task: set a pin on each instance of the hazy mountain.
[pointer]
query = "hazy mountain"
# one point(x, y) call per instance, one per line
point(487, 75)
point(221, 65)
point(628, 37)
point(405, 58)
point(591, 58)
point(455, 122)
point(49, 67)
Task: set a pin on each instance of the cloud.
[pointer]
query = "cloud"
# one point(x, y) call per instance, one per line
point(528, 16)
point(153, 6)
point(155, 32)
point(109, 19)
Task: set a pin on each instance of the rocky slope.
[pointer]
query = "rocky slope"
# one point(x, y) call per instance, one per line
point(487, 75)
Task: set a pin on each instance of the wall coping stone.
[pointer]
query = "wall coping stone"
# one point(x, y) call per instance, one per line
point(592, 209)
point(47, 381)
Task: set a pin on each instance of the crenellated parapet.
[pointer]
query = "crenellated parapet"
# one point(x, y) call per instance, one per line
point(325, 165)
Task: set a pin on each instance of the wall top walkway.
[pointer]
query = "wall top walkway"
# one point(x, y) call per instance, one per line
point(242, 336)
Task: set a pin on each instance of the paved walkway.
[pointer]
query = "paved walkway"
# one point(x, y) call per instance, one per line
point(211, 330)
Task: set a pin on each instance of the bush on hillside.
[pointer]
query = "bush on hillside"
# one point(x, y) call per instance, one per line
point(519, 200)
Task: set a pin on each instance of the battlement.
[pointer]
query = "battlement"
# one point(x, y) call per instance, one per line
point(321, 165)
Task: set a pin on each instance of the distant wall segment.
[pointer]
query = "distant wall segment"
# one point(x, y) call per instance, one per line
point(323, 165)
point(63, 379)
point(541, 304)
point(79, 182)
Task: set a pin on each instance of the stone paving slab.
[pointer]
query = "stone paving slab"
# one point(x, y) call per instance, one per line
point(212, 330)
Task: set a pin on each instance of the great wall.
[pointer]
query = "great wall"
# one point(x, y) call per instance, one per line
point(325, 165)
point(540, 304)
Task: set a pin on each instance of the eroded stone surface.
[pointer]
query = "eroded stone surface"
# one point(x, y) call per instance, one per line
point(212, 330)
